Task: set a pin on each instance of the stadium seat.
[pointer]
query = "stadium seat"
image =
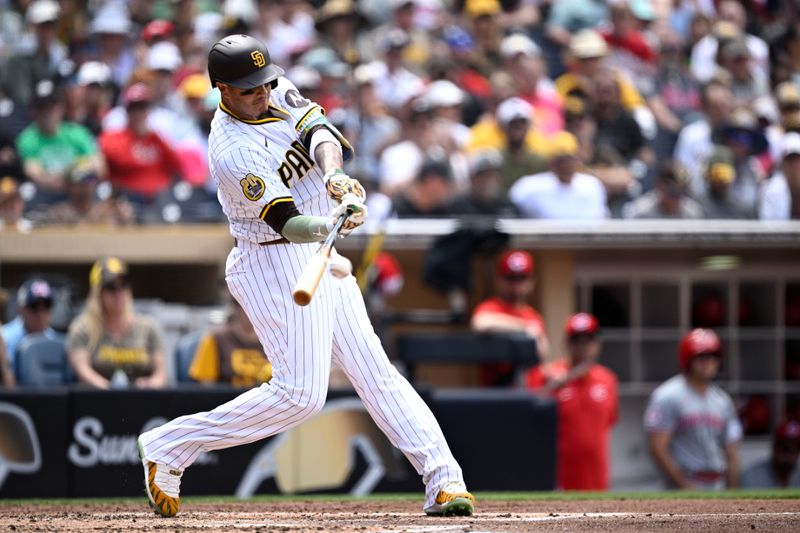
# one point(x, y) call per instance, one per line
point(184, 354)
point(42, 361)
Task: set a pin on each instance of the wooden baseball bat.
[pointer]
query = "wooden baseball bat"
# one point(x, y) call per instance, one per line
point(308, 281)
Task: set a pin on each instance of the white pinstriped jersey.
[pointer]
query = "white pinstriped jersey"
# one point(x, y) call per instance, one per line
point(260, 163)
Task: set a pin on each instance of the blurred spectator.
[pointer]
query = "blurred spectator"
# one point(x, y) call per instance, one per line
point(13, 119)
point(138, 159)
point(83, 205)
point(669, 199)
point(746, 85)
point(34, 315)
point(568, 17)
point(337, 23)
point(780, 198)
point(231, 354)
point(110, 29)
point(586, 393)
point(157, 30)
point(93, 98)
point(163, 61)
point(403, 12)
point(719, 201)
point(428, 194)
point(7, 379)
point(629, 50)
point(696, 140)
point(483, 21)
point(780, 470)
point(731, 25)
point(50, 147)
point(395, 84)
point(486, 195)
point(691, 423)
point(41, 60)
point(562, 192)
point(444, 100)
point(747, 143)
point(12, 205)
point(108, 344)
point(787, 96)
point(522, 59)
point(510, 311)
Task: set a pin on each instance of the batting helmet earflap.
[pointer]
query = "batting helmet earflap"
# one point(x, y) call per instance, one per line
point(243, 62)
point(698, 342)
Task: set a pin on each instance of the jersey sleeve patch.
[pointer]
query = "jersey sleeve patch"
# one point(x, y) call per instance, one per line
point(253, 187)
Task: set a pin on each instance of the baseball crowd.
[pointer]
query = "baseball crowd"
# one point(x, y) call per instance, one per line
point(577, 109)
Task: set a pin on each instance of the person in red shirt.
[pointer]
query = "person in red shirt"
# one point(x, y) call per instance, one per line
point(586, 393)
point(139, 161)
point(510, 312)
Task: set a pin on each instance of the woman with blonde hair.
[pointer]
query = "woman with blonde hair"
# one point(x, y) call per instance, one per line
point(108, 344)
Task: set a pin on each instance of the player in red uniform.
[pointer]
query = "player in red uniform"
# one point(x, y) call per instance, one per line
point(586, 393)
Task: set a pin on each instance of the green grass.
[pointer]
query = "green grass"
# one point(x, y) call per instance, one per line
point(771, 494)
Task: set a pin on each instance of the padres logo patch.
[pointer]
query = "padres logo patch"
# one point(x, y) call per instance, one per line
point(252, 187)
point(258, 59)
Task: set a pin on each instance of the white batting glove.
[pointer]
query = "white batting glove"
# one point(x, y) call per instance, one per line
point(339, 265)
point(358, 213)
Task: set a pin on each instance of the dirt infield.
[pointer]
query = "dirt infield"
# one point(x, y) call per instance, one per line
point(398, 516)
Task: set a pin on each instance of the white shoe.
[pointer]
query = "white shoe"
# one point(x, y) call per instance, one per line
point(452, 500)
point(162, 485)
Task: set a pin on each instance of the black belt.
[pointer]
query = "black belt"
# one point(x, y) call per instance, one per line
point(282, 240)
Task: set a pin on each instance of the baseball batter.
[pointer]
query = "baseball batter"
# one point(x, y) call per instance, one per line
point(691, 423)
point(274, 156)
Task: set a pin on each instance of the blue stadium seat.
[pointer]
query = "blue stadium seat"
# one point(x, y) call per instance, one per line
point(184, 354)
point(42, 361)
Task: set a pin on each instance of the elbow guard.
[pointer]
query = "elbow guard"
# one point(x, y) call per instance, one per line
point(314, 120)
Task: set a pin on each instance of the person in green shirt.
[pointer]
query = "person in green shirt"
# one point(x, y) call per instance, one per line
point(50, 147)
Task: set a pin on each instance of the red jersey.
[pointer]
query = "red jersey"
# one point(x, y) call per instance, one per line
point(144, 165)
point(587, 410)
point(491, 374)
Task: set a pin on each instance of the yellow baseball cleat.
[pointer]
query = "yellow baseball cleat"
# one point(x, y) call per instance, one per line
point(162, 485)
point(452, 500)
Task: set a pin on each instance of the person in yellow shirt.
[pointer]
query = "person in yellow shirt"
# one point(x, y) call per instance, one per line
point(231, 354)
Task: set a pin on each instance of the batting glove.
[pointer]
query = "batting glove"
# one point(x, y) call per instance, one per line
point(357, 210)
point(338, 184)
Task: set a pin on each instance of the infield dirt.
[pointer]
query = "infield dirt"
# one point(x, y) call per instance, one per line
point(398, 516)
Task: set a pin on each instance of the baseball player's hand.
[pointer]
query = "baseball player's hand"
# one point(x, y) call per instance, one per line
point(357, 210)
point(338, 184)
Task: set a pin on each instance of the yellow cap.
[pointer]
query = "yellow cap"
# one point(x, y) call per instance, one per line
point(563, 143)
point(195, 86)
point(107, 270)
point(476, 8)
point(721, 173)
point(8, 187)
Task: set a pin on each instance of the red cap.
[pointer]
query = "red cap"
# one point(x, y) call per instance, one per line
point(696, 342)
point(515, 263)
point(789, 430)
point(157, 28)
point(582, 324)
point(389, 276)
point(138, 92)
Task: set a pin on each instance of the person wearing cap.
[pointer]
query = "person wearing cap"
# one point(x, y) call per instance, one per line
point(396, 85)
point(418, 52)
point(692, 425)
point(93, 95)
point(522, 59)
point(780, 195)
point(746, 85)
point(696, 139)
point(781, 469)
point(110, 30)
point(231, 353)
point(428, 195)
point(50, 145)
point(25, 69)
point(568, 17)
point(588, 404)
point(337, 23)
point(741, 133)
point(34, 316)
point(82, 205)
point(510, 311)
point(561, 193)
point(787, 96)
point(486, 195)
point(668, 199)
point(719, 201)
point(732, 24)
point(140, 162)
point(483, 21)
point(12, 205)
point(157, 30)
point(109, 341)
point(628, 48)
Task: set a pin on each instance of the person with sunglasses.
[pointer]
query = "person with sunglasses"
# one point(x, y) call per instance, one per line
point(588, 404)
point(34, 316)
point(108, 344)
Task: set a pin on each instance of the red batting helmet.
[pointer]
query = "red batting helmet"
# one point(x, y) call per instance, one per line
point(698, 342)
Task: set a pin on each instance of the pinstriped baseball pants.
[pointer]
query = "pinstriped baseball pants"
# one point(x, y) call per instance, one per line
point(300, 342)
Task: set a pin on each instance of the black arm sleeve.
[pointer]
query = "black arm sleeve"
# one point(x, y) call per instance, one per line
point(278, 211)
